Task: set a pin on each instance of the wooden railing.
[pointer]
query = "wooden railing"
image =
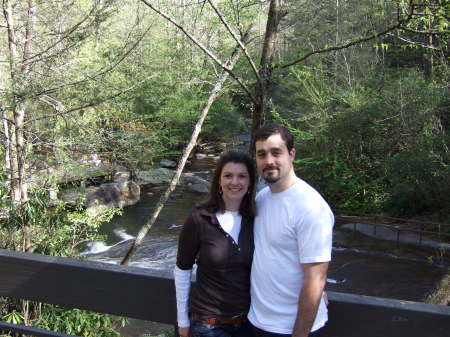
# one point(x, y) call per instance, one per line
point(149, 295)
point(439, 231)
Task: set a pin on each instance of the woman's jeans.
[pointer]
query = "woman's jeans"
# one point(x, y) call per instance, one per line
point(218, 330)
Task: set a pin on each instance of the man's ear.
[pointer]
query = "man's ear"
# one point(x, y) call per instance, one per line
point(292, 153)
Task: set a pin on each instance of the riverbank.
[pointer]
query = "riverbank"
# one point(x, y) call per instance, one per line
point(441, 295)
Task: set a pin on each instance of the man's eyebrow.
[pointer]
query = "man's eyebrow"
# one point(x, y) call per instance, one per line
point(275, 149)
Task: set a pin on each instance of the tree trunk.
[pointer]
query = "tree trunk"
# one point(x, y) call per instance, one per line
point(7, 142)
point(15, 188)
point(16, 145)
point(19, 117)
point(212, 97)
point(260, 112)
point(29, 35)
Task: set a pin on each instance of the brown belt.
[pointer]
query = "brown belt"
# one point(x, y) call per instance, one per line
point(235, 320)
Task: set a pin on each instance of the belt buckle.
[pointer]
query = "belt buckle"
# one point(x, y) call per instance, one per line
point(212, 320)
point(239, 316)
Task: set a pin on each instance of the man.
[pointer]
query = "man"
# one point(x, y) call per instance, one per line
point(293, 238)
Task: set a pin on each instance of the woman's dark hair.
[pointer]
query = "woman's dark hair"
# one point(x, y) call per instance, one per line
point(215, 201)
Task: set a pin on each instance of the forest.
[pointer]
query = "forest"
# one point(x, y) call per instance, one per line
point(362, 84)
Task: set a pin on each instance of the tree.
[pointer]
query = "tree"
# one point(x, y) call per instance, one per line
point(41, 42)
point(277, 11)
point(215, 92)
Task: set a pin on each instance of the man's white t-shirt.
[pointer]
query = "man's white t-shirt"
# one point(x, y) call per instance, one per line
point(292, 227)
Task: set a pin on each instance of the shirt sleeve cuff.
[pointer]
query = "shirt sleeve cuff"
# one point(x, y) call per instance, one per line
point(182, 287)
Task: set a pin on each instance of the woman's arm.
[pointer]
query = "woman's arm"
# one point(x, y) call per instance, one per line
point(188, 246)
point(182, 287)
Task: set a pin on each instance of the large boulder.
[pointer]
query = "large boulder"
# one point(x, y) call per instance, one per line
point(190, 178)
point(121, 175)
point(167, 163)
point(114, 195)
point(163, 176)
point(72, 196)
point(70, 173)
point(155, 176)
point(194, 183)
point(198, 188)
point(199, 156)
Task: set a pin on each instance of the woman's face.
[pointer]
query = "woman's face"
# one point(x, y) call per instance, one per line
point(234, 181)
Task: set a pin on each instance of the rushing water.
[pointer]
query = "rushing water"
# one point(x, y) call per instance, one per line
point(360, 265)
point(172, 215)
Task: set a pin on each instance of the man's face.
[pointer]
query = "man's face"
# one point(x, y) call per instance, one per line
point(273, 160)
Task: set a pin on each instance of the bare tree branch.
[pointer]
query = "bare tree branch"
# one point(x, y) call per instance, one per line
point(102, 72)
point(64, 36)
point(414, 42)
point(202, 47)
point(4, 118)
point(59, 108)
point(236, 38)
point(215, 92)
point(425, 32)
point(355, 42)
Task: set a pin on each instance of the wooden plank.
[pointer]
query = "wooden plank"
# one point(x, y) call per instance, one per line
point(149, 295)
point(353, 315)
point(29, 331)
point(121, 290)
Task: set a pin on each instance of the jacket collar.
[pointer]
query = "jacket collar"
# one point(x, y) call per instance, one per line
point(209, 213)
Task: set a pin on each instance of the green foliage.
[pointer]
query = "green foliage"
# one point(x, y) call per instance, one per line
point(380, 145)
point(54, 231)
point(173, 111)
point(223, 121)
point(78, 322)
point(13, 317)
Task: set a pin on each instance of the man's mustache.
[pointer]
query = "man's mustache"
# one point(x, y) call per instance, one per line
point(269, 167)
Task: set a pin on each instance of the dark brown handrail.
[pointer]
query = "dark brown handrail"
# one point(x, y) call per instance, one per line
point(149, 295)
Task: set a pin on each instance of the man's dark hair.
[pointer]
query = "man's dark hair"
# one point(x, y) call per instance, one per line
point(215, 201)
point(270, 129)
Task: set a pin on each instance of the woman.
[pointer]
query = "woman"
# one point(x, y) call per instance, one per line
point(218, 237)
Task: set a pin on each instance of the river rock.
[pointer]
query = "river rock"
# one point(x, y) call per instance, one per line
point(74, 172)
point(73, 196)
point(190, 178)
point(156, 176)
point(167, 163)
point(114, 195)
point(194, 183)
point(198, 188)
point(199, 156)
point(121, 176)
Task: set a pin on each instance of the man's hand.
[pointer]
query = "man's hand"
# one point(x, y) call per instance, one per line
point(184, 332)
point(325, 298)
point(314, 279)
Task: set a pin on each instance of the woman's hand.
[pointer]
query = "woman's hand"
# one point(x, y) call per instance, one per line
point(184, 332)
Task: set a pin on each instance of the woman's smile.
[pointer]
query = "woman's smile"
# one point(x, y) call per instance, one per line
point(234, 182)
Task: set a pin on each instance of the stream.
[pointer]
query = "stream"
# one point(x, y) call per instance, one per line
point(360, 265)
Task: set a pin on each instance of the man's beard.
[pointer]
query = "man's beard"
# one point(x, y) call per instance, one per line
point(271, 178)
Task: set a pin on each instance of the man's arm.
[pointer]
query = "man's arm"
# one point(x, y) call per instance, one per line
point(315, 277)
